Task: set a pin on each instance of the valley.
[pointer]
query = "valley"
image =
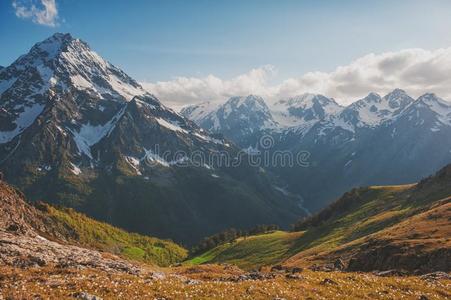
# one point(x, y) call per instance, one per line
point(397, 235)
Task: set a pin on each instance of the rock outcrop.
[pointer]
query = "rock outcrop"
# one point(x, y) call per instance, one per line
point(22, 241)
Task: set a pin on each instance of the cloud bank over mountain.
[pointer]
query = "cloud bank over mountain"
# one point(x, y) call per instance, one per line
point(416, 70)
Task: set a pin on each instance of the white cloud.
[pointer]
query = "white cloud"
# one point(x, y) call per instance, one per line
point(415, 70)
point(187, 90)
point(43, 12)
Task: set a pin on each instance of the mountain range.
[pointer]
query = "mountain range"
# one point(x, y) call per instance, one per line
point(98, 175)
point(77, 131)
point(393, 139)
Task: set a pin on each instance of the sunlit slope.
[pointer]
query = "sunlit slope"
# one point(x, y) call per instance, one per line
point(377, 221)
point(79, 229)
point(252, 251)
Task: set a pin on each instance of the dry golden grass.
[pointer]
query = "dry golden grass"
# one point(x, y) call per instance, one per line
point(201, 282)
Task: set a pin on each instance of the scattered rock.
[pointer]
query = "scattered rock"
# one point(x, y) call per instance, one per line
point(328, 281)
point(86, 296)
point(293, 276)
point(156, 276)
point(390, 273)
point(191, 282)
point(250, 276)
point(323, 268)
point(280, 268)
point(435, 276)
point(277, 268)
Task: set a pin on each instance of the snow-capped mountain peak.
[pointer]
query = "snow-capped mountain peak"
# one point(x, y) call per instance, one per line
point(252, 102)
point(430, 103)
point(242, 116)
point(374, 110)
point(298, 110)
point(398, 99)
point(198, 112)
point(54, 45)
point(69, 63)
point(431, 99)
point(59, 67)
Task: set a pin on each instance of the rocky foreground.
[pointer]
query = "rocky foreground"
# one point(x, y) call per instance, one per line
point(215, 282)
point(37, 263)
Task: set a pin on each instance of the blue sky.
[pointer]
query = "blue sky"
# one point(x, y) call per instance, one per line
point(159, 40)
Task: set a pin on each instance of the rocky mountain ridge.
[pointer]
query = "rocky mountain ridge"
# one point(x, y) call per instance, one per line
point(77, 131)
point(377, 140)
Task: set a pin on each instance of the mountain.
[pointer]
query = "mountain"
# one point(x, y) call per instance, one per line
point(373, 141)
point(373, 110)
point(43, 235)
point(241, 119)
point(77, 131)
point(199, 112)
point(377, 228)
point(303, 109)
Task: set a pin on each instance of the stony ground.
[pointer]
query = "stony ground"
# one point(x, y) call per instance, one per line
point(215, 282)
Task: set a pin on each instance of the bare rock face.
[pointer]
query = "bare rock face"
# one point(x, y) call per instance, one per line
point(23, 250)
point(384, 256)
point(22, 244)
point(15, 214)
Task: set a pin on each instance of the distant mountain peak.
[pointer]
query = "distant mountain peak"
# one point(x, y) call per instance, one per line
point(440, 107)
point(430, 97)
point(398, 99)
point(250, 100)
point(307, 107)
point(372, 97)
point(398, 91)
point(307, 99)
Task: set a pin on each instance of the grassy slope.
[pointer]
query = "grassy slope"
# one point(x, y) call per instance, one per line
point(252, 251)
point(360, 214)
point(78, 228)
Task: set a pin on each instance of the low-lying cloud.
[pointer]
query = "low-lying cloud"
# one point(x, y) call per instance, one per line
point(415, 70)
point(43, 12)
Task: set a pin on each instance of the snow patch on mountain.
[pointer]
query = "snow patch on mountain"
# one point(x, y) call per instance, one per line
point(373, 110)
point(23, 120)
point(75, 169)
point(89, 135)
point(134, 163)
point(173, 126)
point(439, 106)
point(301, 110)
point(200, 111)
point(6, 84)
